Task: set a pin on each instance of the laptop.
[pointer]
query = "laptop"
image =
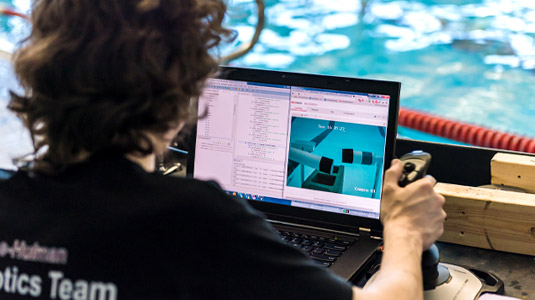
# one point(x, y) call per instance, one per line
point(309, 151)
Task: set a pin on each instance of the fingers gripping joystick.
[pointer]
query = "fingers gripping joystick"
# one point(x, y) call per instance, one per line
point(415, 165)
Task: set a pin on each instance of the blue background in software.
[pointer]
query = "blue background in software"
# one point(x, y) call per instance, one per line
point(359, 180)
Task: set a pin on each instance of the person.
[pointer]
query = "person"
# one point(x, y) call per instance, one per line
point(108, 84)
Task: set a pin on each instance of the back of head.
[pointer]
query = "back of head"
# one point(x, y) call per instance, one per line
point(100, 74)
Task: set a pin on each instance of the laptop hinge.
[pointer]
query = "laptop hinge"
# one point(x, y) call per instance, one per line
point(313, 224)
point(371, 233)
point(312, 227)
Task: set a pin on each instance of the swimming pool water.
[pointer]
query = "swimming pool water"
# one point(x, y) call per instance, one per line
point(472, 61)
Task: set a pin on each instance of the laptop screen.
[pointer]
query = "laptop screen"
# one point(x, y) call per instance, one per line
point(301, 146)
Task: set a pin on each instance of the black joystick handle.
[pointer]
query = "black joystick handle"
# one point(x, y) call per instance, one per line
point(430, 259)
point(415, 165)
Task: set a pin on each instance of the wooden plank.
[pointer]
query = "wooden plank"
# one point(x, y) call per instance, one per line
point(513, 170)
point(490, 219)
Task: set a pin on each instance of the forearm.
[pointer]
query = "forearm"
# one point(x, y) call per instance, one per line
point(413, 218)
point(400, 276)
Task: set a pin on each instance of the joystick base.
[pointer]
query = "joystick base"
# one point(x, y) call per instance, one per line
point(462, 283)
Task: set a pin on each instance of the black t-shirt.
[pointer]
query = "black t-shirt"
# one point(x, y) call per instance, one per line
point(106, 229)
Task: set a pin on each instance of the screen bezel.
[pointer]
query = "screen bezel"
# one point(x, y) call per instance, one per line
point(310, 217)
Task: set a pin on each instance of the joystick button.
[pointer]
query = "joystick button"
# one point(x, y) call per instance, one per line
point(409, 167)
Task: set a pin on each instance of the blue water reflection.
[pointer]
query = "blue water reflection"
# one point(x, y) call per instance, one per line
point(471, 60)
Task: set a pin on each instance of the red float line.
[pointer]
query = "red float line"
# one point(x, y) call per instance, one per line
point(466, 133)
point(458, 131)
point(11, 12)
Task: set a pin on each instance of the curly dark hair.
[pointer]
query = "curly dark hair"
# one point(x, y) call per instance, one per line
point(100, 74)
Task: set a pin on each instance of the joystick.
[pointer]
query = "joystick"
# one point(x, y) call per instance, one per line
point(443, 281)
point(415, 165)
point(433, 273)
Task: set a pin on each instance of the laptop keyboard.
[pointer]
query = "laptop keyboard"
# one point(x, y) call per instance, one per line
point(324, 250)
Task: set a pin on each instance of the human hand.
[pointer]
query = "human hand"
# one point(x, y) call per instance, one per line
point(414, 210)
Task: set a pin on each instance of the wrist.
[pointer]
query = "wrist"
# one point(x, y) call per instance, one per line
point(396, 234)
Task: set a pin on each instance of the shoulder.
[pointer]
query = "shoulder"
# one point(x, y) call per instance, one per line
point(11, 181)
point(197, 194)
